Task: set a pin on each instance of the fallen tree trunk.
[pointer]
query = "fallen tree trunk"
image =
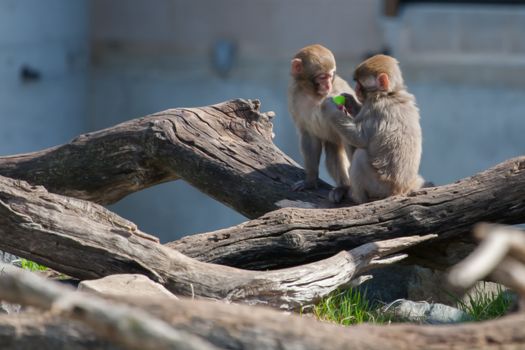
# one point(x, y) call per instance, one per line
point(226, 151)
point(243, 327)
point(238, 327)
point(223, 150)
point(292, 236)
point(84, 240)
point(501, 255)
point(124, 325)
point(30, 331)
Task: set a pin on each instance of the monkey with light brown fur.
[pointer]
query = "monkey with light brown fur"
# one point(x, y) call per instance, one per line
point(385, 131)
point(313, 80)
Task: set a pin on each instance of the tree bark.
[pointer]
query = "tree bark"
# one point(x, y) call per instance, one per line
point(224, 150)
point(501, 255)
point(237, 326)
point(293, 236)
point(84, 240)
point(130, 327)
point(261, 328)
point(37, 331)
point(244, 327)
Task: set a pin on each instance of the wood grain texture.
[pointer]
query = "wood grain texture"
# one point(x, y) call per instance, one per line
point(127, 326)
point(85, 240)
point(293, 236)
point(35, 330)
point(225, 326)
point(225, 150)
point(244, 327)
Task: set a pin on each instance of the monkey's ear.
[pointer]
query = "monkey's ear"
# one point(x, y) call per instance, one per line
point(383, 82)
point(297, 66)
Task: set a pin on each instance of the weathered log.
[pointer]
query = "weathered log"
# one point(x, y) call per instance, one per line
point(501, 255)
point(244, 327)
point(292, 236)
point(84, 240)
point(127, 326)
point(224, 150)
point(37, 331)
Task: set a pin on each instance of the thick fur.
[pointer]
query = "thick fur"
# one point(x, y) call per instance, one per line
point(387, 135)
point(304, 102)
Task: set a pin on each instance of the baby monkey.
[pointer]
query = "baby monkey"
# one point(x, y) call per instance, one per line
point(313, 80)
point(385, 131)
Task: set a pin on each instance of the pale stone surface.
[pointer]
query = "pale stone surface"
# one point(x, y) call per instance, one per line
point(7, 258)
point(125, 284)
point(423, 312)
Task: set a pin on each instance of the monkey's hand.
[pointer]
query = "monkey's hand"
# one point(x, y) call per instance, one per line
point(304, 185)
point(344, 124)
point(330, 109)
point(351, 104)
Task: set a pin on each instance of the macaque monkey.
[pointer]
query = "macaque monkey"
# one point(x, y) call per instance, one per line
point(313, 80)
point(385, 131)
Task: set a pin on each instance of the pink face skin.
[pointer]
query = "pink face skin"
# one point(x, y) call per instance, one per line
point(323, 82)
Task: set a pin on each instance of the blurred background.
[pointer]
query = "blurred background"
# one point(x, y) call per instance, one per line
point(69, 67)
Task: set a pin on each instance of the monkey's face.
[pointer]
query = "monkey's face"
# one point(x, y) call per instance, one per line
point(313, 68)
point(323, 82)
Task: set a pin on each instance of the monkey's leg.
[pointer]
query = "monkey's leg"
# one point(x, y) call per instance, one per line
point(311, 148)
point(367, 185)
point(337, 163)
point(358, 176)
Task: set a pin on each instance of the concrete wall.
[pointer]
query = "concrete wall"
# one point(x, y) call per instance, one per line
point(51, 38)
point(272, 28)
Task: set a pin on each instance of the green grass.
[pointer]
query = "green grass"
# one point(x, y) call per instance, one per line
point(481, 305)
point(348, 307)
point(31, 265)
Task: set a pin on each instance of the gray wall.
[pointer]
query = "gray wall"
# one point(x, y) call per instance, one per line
point(50, 37)
point(271, 28)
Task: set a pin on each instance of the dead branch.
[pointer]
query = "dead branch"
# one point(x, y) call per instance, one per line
point(293, 236)
point(84, 240)
point(44, 331)
point(224, 150)
point(130, 327)
point(500, 255)
point(244, 327)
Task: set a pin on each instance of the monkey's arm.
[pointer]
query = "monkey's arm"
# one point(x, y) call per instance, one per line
point(351, 132)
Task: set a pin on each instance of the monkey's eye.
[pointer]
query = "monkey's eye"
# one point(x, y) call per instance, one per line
point(323, 76)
